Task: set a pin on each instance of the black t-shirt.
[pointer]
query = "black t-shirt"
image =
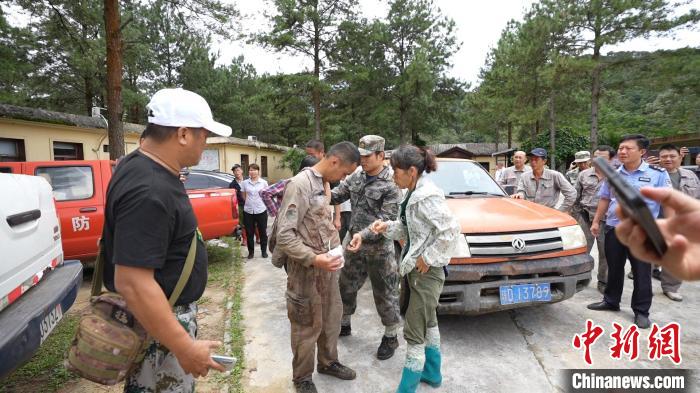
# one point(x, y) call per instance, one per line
point(149, 222)
point(239, 194)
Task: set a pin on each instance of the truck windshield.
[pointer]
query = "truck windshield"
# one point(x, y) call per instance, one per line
point(464, 178)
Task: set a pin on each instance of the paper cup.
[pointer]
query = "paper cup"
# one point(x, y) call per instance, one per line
point(338, 251)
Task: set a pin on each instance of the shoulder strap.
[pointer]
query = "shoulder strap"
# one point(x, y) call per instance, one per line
point(184, 276)
point(186, 270)
point(97, 272)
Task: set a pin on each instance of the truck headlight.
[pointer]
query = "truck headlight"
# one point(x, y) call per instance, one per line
point(462, 248)
point(572, 237)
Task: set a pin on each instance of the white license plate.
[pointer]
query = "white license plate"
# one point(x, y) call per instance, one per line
point(50, 321)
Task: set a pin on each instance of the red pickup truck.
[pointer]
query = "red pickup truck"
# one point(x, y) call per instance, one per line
point(80, 190)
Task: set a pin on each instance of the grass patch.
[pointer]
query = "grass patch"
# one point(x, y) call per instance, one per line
point(236, 318)
point(230, 276)
point(45, 371)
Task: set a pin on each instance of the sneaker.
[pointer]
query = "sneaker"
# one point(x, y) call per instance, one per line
point(345, 330)
point(305, 387)
point(675, 296)
point(387, 347)
point(337, 370)
point(656, 273)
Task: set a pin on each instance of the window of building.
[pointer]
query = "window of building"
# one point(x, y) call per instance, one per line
point(486, 165)
point(69, 183)
point(263, 166)
point(105, 148)
point(244, 164)
point(12, 150)
point(63, 151)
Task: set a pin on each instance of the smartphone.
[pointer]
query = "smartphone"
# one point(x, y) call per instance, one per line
point(634, 206)
point(227, 361)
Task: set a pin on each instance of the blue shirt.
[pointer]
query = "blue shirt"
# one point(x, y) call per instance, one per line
point(641, 177)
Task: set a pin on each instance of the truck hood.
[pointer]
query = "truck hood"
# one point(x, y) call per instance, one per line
point(500, 214)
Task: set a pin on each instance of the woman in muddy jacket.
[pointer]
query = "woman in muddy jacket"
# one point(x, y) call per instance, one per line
point(430, 232)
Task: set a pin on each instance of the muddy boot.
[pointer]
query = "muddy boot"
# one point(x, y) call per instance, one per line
point(387, 347)
point(337, 370)
point(433, 358)
point(305, 387)
point(415, 361)
point(431, 372)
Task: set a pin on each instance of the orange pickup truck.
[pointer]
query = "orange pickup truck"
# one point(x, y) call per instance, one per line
point(80, 190)
point(513, 253)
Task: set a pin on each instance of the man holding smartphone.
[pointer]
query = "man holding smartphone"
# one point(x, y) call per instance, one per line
point(636, 172)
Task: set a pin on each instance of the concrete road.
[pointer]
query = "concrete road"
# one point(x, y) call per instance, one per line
point(500, 352)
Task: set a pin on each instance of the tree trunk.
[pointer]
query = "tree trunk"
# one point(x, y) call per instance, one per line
point(114, 79)
point(552, 133)
point(595, 98)
point(595, 82)
point(402, 120)
point(317, 76)
point(510, 134)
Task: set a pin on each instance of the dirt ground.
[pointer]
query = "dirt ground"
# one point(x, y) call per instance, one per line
point(211, 327)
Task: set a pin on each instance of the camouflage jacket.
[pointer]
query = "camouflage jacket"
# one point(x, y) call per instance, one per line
point(376, 199)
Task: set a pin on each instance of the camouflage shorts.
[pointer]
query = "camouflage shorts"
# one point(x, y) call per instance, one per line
point(160, 371)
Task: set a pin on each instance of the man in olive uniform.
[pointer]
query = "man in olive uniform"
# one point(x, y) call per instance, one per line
point(582, 161)
point(587, 186)
point(544, 185)
point(511, 175)
point(374, 196)
point(685, 181)
point(305, 232)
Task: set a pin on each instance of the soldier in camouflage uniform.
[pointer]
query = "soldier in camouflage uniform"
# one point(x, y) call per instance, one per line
point(582, 161)
point(374, 196)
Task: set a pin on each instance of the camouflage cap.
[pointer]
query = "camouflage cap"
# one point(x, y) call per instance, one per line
point(582, 156)
point(370, 144)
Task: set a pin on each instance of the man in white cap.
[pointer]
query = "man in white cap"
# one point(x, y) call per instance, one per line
point(582, 161)
point(149, 229)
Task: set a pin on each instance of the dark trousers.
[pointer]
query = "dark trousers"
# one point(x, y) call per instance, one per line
point(344, 224)
point(617, 254)
point(253, 221)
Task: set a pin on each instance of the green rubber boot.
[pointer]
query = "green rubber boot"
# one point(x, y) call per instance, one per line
point(409, 381)
point(431, 372)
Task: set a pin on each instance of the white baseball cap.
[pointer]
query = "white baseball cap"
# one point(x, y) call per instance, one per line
point(183, 108)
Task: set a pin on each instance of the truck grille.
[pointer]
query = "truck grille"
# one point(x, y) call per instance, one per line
point(514, 244)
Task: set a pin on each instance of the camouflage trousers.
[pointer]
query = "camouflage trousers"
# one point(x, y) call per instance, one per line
point(380, 265)
point(160, 372)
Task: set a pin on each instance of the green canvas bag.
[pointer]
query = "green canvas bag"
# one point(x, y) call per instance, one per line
point(109, 341)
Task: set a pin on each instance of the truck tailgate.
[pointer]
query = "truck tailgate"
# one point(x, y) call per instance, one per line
point(22, 330)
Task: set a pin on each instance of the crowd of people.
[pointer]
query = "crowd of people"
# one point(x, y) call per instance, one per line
point(150, 227)
point(584, 193)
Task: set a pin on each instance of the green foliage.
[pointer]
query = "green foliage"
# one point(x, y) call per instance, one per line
point(292, 160)
point(568, 143)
